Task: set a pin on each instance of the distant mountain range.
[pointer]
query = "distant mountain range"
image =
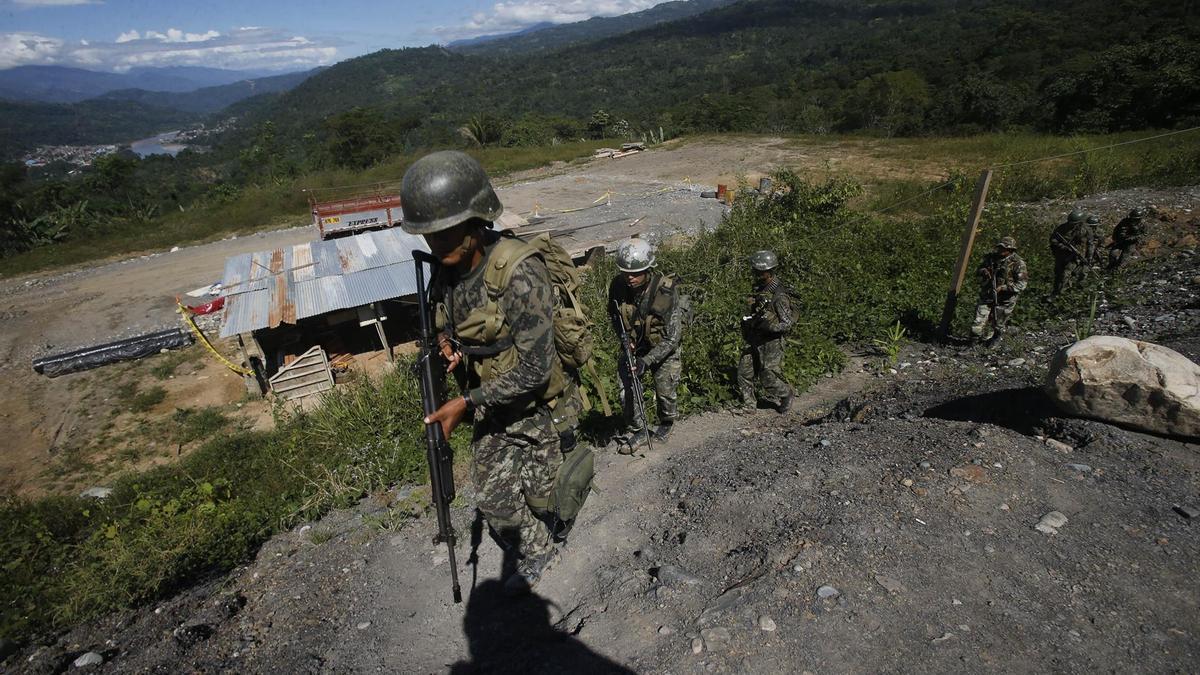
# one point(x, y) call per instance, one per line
point(545, 36)
point(60, 84)
point(211, 99)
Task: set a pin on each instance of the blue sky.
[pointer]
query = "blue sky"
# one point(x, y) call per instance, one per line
point(115, 35)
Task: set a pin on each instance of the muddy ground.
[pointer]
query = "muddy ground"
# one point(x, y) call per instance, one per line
point(885, 525)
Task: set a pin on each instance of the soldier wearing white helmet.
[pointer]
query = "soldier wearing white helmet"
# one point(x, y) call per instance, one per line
point(651, 306)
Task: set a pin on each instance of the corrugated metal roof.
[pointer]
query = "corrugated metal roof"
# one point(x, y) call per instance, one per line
point(269, 288)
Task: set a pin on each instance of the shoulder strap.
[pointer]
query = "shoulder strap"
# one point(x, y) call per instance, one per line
point(509, 252)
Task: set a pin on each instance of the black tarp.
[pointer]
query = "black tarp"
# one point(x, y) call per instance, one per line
point(137, 347)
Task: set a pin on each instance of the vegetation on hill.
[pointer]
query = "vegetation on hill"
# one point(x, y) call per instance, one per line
point(210, 99)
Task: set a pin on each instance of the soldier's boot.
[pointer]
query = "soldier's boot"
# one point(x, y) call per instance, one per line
point(529, 572)
point(663, 430)
point(785, 404)
point(994, 339)
point(635, 441)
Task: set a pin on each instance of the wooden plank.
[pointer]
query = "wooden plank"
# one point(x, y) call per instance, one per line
point(964, 253)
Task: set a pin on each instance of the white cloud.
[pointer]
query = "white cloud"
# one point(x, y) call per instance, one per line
point(511, 16)
point(26, 49)
point(240, 48)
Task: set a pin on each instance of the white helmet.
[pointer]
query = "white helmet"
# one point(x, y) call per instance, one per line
point(635, 255)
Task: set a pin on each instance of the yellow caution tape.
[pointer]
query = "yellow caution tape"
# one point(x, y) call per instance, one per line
point(187, 318)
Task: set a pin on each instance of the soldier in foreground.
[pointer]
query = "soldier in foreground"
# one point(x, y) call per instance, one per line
point(511, 374)
point(652, 309)
point(764, 329)
point(1002, 277)
point(1127, 236)
point(1068, 244)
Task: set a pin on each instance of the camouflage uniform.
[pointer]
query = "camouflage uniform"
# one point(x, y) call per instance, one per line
point(1011, 277)
point(517, 443)
point(762, 357)
point(653, 314)
point(1127, 235)
point(1069, 244)
point(1095, 241)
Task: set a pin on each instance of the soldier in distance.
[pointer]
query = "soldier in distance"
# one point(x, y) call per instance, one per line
point(764, 329)
point(653, 310)
point(1002, 277)
point(512, 380)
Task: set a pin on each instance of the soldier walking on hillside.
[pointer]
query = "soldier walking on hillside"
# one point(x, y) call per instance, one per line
point(1002, 277)
point(512, 376)
point(764, 329)
point(1127, 236)
point(652, 308)
point(1068, 243)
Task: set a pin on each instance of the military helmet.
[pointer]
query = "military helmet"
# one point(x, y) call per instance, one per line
point(635, 255)
point(1008, 243)
point(443, 189)
point(1076, 216)
point(1137, 212)
point(764, 261)
point(1093, 220)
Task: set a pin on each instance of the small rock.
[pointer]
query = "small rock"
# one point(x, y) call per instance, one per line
point(665, 630)
point(925, 465)
point(767, 623)
point(363, 625)
point(1081, 468)
point(907, 482)
point(1130, 322)
point(956, 602)
point(174, 249)
point(825, 443)
point(827, 592)
point(1050, 523)
point(191, 634)
point(1016, 363)
point(889, 584)
point(88, 659)
point(96, 493)
point(697, 646)
point(1189, 512)
point(715, 638)
point(945, 637)
point(670, 575)
point(970, 472)
point(1055, 444)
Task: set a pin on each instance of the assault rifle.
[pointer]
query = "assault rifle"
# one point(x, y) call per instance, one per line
point(437, 451)
point(1067, 245)
point(635, 378)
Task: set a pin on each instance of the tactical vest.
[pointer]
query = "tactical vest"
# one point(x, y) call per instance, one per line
point(647, 317)
point(485, 336)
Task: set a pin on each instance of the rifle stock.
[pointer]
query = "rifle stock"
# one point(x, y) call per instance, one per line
point(437, 450)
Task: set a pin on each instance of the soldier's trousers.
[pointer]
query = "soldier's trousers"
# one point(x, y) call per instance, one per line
point(762, 363)
point(666, 391)
point(999, 315)
point(1066, 270)
point(1120, 253)
point(516, 460)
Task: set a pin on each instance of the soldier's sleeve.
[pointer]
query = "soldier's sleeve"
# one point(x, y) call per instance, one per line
point(672, 333)
point(613, 318)
point(781, 319)
point(1021, 279)
point(528, 307)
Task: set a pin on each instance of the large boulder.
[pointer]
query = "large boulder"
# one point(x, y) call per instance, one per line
point(1128, 382)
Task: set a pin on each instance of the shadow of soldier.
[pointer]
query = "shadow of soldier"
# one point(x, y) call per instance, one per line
point(514, 635)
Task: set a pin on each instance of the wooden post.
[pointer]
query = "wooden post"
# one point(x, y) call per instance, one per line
point(964, 254)
point(387, 346)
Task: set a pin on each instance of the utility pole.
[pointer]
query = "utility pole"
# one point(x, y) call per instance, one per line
point(964, 254)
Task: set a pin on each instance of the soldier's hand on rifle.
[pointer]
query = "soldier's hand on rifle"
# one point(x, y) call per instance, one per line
point(450, 415)
point(453, 356)
point(639, 366)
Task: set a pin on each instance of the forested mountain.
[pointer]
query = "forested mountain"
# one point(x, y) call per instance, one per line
point(548, 37)
point(26, 125)
point(211, 99)
point(894, 67)
point(60, 84)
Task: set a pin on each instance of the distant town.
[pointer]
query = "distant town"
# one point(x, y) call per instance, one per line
point(167, 143)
